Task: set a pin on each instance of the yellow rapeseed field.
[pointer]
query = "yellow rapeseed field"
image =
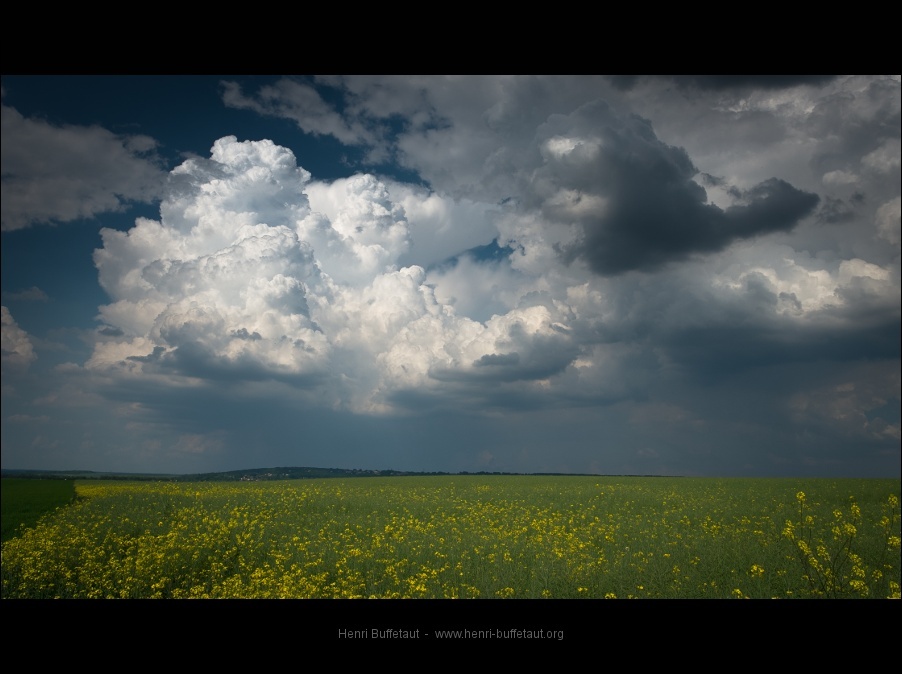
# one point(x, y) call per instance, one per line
point(465, 537)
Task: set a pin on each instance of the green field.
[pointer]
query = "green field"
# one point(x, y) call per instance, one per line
point(466, 536)
point(24, 502)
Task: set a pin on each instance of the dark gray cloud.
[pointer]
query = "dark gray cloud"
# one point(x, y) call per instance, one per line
point(545, 361)
point(194, 359)
point(55, 174)
point(833, 210)
point(726, 82)
point(636, 199)
point(718, 353)
point(720, 82)
point(499, 359)
point(153, 357)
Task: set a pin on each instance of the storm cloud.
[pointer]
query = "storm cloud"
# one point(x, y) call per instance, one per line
point(636, 200)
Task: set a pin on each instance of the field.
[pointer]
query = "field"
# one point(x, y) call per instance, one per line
point(25, 501)
point(466, 536)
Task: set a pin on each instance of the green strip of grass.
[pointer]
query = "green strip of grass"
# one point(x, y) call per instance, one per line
point(24, 502)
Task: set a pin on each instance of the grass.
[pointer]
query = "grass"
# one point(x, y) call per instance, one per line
point(25, 501)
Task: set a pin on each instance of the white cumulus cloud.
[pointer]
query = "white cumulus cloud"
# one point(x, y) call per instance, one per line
point(254, 272)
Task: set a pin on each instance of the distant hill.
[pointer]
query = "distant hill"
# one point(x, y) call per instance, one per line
point(247, 475)
point(293, 473)
point(83, 475)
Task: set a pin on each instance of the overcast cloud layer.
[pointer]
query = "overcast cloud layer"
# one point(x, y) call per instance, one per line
point(567, 274)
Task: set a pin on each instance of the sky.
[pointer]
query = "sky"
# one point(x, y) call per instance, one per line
point(650, 275)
